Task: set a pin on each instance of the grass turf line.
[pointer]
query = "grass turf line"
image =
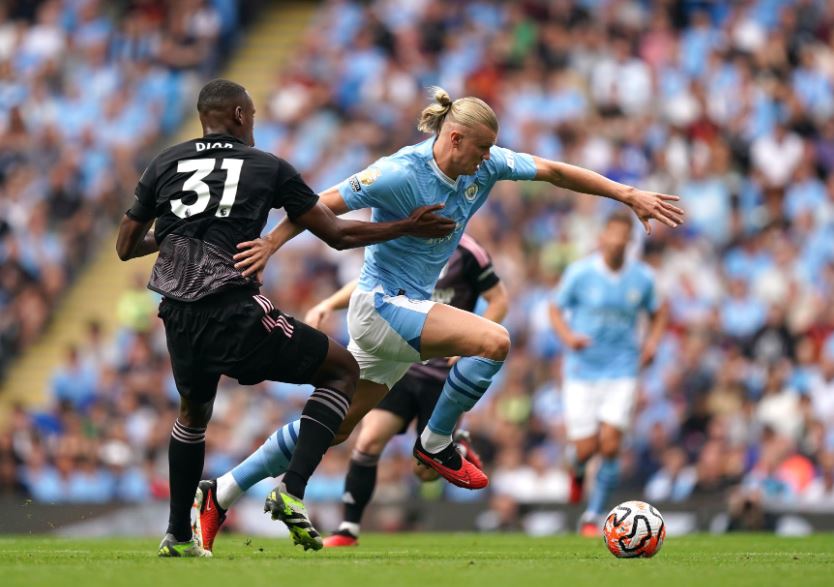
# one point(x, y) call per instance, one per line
point(425, 560)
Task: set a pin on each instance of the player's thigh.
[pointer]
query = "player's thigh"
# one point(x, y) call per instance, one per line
point(449, 331)
point(367, 396)
point(378, 427)
point(192, 346)
point(580, 401)
point(277, 347)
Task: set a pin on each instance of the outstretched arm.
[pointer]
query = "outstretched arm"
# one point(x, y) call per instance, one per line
point(322, 220)
point(646, 205)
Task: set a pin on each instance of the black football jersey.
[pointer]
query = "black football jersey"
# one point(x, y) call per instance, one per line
point(207, 195)
point(465, 277)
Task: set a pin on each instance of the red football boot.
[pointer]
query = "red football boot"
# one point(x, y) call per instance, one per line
point(211, 516)
point(452, 466)
point(464, 441)
point(341, 538)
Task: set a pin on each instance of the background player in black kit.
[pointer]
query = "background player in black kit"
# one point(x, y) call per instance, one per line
point(206, 196)
point(468, 275)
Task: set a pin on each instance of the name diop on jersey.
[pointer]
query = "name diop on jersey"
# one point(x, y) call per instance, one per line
point(204, 146)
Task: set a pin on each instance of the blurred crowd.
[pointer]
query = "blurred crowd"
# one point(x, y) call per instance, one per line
point(87, 90)
point(729, 104)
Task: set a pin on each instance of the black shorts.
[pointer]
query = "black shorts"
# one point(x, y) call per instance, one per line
point(238, 333)
point(413, 397)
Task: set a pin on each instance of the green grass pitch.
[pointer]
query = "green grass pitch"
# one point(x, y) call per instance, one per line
point(427, 560)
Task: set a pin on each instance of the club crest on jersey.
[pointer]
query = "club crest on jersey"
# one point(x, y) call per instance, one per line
point(471, 192)
point(633, 297)
point(204, 146)
point(369, 176)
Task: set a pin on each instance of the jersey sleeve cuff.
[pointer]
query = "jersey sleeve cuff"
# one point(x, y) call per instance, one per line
point(139, 215)
point(301, 210)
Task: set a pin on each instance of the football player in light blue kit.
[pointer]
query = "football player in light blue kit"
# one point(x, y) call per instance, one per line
point(596, 312)
point(391, 319)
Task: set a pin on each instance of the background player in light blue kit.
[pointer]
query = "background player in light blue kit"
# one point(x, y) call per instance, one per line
point(595, 312)
point(392, 320)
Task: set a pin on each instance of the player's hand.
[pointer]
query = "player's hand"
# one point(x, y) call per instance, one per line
point(316, 315)
point(452, 360)
point(424, 223)
point(577, 342)
point(652, 206)
point(253, 256)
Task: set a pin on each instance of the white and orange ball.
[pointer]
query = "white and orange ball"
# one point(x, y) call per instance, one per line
point(634, 529)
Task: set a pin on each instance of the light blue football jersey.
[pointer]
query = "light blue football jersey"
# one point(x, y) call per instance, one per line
point(395, 185)
point(605, 307)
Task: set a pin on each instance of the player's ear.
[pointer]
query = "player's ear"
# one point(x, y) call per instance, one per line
point(239, 114)
point(456, 137)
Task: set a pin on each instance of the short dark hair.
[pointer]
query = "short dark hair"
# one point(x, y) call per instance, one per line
point(623, 216)
point(219, 94)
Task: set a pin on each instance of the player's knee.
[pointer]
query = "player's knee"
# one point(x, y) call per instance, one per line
point(609, 450)
point(586, 448)
point(609, 441)
point(195, 415)
point(495, 344)
point(340, 371)
point(371, 444)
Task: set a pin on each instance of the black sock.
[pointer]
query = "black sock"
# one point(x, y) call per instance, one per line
point(186, 453)
point(359, 485)
point(320, 420)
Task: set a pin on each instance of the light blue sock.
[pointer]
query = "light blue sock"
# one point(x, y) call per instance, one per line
point(466, 384)
point(270, 460)
point(607, 477)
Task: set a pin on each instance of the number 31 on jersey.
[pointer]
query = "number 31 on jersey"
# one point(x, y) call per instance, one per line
point(199, 169)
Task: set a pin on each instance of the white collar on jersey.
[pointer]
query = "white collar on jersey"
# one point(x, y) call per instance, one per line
point(452, 183)
point(429, 146)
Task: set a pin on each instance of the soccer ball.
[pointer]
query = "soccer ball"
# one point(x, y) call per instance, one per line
point(633, 529)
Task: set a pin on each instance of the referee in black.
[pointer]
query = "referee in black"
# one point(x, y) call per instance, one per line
point(206, 195)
